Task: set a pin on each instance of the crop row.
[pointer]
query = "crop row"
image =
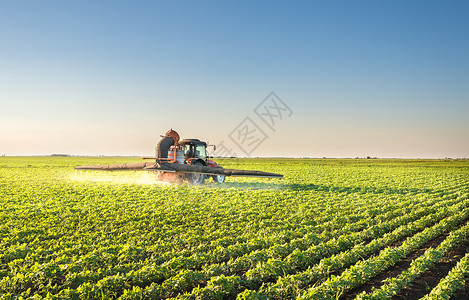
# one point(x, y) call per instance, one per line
point(106, 254)
point(288, 285)
point(146, 274)
point(150, 273)
point(366, 269)
point(393, 286)
point(262, 268)
point(453, 282)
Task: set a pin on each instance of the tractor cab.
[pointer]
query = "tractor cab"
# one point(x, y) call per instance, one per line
point(194, 148)
point(195, 153)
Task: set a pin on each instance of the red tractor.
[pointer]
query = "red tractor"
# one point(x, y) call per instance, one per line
point(190, 152)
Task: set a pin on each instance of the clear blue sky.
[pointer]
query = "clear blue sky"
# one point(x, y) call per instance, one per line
point(378, 78)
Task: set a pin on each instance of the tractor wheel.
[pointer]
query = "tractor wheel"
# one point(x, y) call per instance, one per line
point(197, 178)
point(218, 178)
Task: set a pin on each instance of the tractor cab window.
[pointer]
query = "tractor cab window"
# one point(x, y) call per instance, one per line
point(188, 151)
point(200, 151)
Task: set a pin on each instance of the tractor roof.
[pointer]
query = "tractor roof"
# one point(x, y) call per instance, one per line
point(192, 141)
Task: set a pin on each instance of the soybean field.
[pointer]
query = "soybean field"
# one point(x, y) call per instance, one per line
point(331, 229)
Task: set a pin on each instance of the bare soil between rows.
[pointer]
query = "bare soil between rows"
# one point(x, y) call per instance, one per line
point(424, 283)
point(428, 280)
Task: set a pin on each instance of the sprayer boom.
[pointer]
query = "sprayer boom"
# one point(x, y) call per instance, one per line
point(177, 160)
